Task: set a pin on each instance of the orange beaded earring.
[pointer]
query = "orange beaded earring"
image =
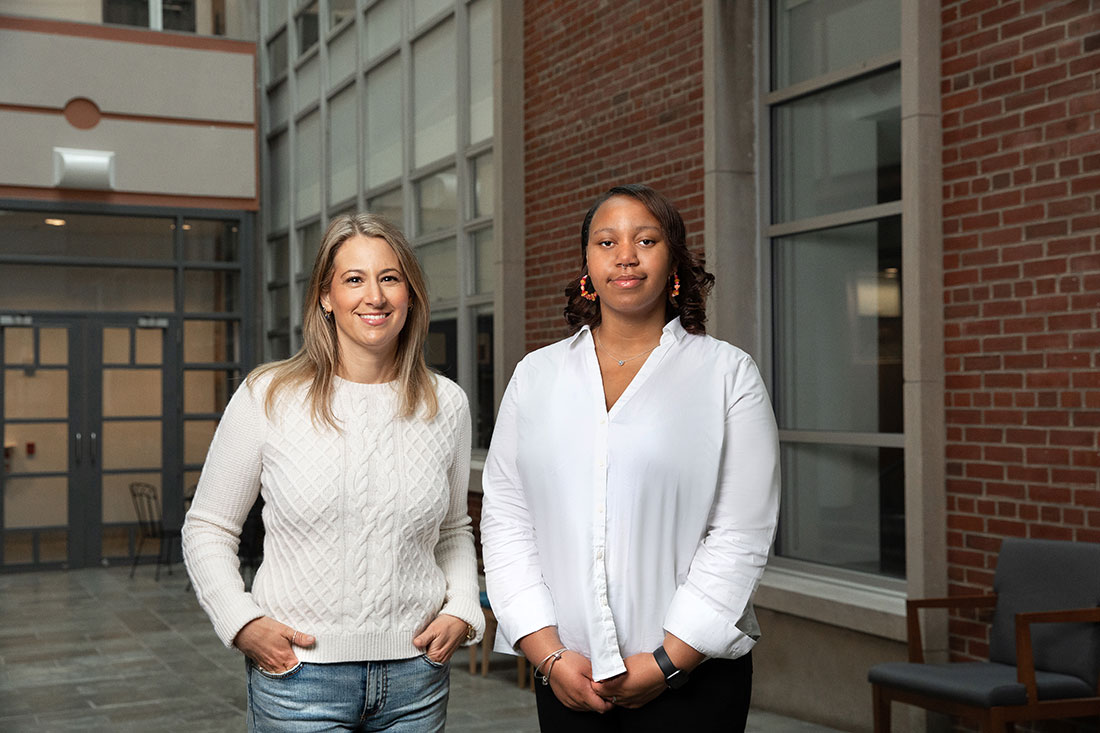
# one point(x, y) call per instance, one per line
point(675, 287)
point(585, 294)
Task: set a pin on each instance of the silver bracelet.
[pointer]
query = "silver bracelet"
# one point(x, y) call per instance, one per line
point(553, 656)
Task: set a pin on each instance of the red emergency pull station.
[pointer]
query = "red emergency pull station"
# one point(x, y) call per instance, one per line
point(30, 449)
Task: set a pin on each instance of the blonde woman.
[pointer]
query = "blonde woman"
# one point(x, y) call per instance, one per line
point(368, 583)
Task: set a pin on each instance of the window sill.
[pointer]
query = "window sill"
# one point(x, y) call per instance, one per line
point(839, 602)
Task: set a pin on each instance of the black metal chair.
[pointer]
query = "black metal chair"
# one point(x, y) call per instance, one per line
point(1044, 651)
point(150, 526)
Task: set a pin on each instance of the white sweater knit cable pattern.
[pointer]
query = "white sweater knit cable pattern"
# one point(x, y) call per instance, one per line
point(368, 538)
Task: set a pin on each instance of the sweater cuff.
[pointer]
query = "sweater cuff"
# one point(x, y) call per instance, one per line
point(469, 611)
point(230, 615)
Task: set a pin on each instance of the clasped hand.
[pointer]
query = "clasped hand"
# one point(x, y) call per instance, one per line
point(573, 685)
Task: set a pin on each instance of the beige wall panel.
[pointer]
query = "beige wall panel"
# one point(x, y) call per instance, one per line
point(47, 70)
point(81, 11)
point(181, 160)
point(817, 672)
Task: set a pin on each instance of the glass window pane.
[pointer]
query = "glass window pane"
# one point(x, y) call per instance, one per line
point(131, 444)
point(132, 392)
point(441, 348)
point(440, 264)
point(178, 15)
point(278, 346)
point(307, 177)
point(280, 307)
point(339, 11)
point(434, 123)
point(116, 346)
point(383, 123)
point(36, 393)
point(118, 506)
point(210, 341)
point(210, 291)
point(483, 185)
point(308, 28)
point(813, 38)
point(483, 417)
point(341, 55)
point(426, 9)
point(35, 287)
point(276, 13)
point(51, 447)
point(210, 241)
point(278, 188)
point(19, 345)
point(844, 506)
point(309, 242)
point(86, 235)
point(343, 132)
point(278, 105)
point(838, 297)
point(484, 260)
point(390, 205)
point(383, 27)
point(309, 82)
point(36, 502)
point(278, 259)
point(276, 56)
point(206, 391)
point(481, 71)
point(53, 346)
point(838, 150)
point(197, 435)
point(436, 202)
point(148, 346)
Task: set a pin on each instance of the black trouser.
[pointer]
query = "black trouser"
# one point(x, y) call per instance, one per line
point(714, 700)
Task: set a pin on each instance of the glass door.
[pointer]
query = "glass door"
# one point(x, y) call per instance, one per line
point(46, 442)
point(87, 408)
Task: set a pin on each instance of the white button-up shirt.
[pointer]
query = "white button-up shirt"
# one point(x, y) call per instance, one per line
point(618, 525)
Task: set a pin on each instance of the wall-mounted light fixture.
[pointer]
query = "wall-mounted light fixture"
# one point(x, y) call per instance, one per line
point(74, 168)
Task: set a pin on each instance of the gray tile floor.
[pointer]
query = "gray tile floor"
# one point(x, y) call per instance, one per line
point(94, 651)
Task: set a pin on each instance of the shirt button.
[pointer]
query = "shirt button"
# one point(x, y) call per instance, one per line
point(603, 421)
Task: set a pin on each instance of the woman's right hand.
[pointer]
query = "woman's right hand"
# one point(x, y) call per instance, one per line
point(571, 681)
point(270, 644)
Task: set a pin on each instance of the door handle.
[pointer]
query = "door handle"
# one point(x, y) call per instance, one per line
point(93, 448)
point(77, 450)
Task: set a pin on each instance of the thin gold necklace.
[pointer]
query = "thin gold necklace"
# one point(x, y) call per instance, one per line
point(626, 359)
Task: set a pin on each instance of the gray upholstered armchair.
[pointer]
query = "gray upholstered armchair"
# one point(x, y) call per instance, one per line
point(1044, 652)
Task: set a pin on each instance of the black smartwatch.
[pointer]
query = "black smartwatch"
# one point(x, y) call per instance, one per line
point(675, 678)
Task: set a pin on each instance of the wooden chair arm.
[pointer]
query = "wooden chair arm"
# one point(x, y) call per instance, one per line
point(912, 617)
point(1025, 657)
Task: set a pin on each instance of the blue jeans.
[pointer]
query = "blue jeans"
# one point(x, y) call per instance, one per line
point(402, 696)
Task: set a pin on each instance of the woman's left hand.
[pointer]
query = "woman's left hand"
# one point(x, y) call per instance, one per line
point(442, 637)
point(642, 682)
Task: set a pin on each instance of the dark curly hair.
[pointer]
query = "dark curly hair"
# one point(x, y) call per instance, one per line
point(695, 281)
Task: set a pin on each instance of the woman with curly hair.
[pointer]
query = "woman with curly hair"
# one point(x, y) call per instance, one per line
point(631, 492)
point(362, 456)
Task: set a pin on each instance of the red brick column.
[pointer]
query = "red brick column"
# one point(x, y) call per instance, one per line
point(1021, 156)
point(613, 94)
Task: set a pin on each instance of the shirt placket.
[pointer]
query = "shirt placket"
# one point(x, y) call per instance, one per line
point(608, 639)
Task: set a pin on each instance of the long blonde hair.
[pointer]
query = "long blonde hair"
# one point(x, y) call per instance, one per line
point(316, 362)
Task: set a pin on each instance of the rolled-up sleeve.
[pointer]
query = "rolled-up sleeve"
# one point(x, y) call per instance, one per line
point(706, 610)
point(518, 594)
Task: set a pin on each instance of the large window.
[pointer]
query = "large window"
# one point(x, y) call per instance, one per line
point(386, 106)
point(231, 18)
point(834, 241)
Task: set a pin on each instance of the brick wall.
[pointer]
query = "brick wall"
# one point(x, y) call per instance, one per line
point(613, 94)
point(1021, 133)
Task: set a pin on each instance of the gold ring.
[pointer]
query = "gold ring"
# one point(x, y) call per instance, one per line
point(293, 637)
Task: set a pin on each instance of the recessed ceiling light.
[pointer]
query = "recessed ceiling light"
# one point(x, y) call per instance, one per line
point(56, 222)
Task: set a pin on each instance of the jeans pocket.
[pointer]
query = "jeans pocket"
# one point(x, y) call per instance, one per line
point(278, 675)
point(432, 662)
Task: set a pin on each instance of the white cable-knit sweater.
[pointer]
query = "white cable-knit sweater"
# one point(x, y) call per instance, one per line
point(367, 533)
